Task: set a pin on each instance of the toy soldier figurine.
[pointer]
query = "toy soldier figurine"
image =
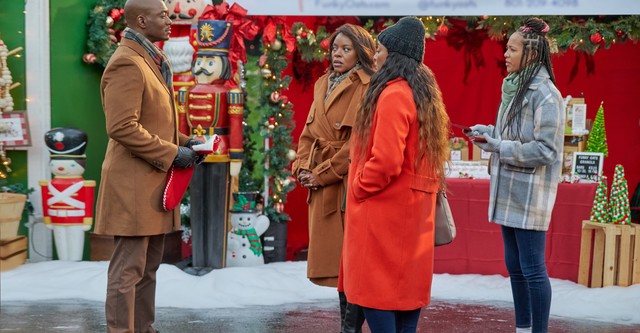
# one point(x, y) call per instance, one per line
point(181, 47)
point(68, 199)
point(213, 107)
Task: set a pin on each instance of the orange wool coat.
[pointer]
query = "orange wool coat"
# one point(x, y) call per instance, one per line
point(143, 138)
point(323, 149)
point(387, 260)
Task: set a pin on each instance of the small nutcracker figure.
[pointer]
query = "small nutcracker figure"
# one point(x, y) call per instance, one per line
point(68, 198)
point(214, 106)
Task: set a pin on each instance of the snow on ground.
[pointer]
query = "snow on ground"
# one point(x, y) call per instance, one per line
point(286, 283)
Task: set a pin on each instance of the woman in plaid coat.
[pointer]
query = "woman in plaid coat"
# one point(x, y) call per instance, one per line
point(526, 145)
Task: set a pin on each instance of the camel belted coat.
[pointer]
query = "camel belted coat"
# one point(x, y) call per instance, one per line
point(323, 149)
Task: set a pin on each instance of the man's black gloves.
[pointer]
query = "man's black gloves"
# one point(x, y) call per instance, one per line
point(192, 142)
point(185, 158)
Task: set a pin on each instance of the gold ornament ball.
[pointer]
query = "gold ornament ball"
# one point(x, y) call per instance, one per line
point(291, 155)
point(276, 45)
point(266, 73)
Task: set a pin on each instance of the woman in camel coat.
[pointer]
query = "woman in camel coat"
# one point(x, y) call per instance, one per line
point(323, 149)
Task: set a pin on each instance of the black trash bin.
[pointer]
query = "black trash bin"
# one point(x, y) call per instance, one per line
point(274, 242)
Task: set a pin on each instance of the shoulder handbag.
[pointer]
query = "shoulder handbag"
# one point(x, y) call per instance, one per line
point(445, 229)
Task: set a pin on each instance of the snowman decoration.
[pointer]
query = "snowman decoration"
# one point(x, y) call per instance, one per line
point(244, 247)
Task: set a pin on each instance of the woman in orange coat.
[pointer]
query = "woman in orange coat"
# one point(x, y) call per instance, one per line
point(323, 156)
point(399, 149)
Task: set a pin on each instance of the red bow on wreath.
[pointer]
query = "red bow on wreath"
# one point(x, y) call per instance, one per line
point(271, 28)
point(243, 28)
point(461, 35)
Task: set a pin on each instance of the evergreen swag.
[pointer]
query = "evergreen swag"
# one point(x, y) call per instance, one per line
point(268, 117)
point(580, 33)
point(105, 25)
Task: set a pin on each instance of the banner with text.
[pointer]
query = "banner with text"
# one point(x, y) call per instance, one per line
point(438, 7)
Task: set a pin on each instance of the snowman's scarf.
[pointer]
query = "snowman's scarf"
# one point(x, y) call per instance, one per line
point(254, 239)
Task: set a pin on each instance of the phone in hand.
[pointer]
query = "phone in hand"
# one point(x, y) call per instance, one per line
point(465, 129)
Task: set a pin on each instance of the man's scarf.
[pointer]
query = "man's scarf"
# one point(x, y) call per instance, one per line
point(158, 56)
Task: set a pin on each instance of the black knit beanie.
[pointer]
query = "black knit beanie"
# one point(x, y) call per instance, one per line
point(405, 37)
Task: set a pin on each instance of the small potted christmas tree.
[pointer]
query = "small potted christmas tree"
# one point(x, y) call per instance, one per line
point(600, 212)
point(619, 208)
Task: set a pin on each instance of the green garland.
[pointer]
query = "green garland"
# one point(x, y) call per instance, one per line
point(276, 126)
point(105, 23)
point(583, 34)
point(268, 117)
point(313, 46)
point(580, 33)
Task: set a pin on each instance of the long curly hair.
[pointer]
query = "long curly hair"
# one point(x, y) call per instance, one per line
point(363, 43)
point(433, 121)
point(535, 55)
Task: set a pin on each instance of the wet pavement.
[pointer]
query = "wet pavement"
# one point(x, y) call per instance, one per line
point(88, 317)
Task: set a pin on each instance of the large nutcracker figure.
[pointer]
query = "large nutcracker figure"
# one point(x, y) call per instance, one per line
point(214, 106)
point(181, 46)
point(68, 198)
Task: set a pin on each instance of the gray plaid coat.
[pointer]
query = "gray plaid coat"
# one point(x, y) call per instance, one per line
point(524, 174)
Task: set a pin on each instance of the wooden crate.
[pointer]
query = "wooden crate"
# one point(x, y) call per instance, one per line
point(13, 252)
point(609, 255)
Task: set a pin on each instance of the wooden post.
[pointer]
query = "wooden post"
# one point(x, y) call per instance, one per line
point(625, 262)
point(635, 275)
point(585, 255)
point(598, 259)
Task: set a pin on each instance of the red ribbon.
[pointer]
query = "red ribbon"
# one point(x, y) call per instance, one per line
point(270, 30)
point(243, 28)
point(462, 36)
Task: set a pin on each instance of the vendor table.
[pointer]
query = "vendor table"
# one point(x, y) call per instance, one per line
point(478, 247)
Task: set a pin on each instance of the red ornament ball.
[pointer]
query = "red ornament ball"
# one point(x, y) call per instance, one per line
point(324, 44)
point(262, 60)
point(275, 97)
point(115, 14)
point(303, 34)
point(279, 207)
point(596, 38)
point(89, 58)
point(443, 30)
point(272, 120)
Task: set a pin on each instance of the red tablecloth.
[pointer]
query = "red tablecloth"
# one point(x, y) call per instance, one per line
point(478, 248)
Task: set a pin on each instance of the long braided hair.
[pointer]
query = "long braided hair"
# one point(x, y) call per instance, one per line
point(535, 54)
point(433, 138)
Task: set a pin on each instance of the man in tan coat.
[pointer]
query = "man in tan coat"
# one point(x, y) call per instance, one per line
point(144, 143)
